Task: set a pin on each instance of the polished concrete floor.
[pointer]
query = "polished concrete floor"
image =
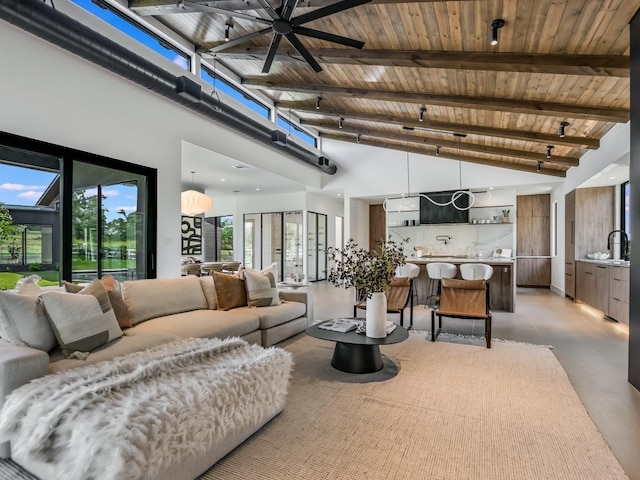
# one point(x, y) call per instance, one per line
point(592, 350)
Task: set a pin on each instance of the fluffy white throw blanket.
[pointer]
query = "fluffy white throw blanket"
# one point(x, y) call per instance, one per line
point(142, 412)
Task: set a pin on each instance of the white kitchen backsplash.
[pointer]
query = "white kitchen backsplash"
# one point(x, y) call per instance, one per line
point(471, 240)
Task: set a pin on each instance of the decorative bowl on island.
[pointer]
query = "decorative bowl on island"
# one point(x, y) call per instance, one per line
point(598, 256)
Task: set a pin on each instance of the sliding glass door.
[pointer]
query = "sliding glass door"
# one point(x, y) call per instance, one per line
point(109, 216)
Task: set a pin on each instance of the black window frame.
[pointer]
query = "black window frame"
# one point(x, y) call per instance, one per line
point(67, 156)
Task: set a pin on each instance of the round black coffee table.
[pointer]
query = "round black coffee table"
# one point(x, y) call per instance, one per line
point(355, 352)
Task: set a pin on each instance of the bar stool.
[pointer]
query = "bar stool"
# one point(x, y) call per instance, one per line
point(410, 270)
point(437, 271)
point(477, 271)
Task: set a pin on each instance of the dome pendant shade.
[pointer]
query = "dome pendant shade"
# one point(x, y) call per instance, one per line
point(194, 203)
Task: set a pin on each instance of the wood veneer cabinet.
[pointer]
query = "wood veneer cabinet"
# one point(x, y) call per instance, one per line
point(592, 285)
point(604, 287)
point(534, 272)
point(533, 240)
point(619, 294)
point(589, 214)
point(570, 244)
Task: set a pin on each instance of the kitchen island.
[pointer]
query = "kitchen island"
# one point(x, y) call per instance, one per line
point(502, 284)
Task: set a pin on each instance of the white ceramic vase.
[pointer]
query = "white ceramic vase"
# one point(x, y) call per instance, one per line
point(376, 318)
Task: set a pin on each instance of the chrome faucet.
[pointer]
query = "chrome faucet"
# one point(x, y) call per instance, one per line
point(443, 238)
point(624, 244)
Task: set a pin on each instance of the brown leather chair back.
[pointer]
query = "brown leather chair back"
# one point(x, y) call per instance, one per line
point(464, 298)
point(398, 293)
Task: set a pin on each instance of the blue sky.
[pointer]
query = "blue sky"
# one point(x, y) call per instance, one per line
point(24, 186)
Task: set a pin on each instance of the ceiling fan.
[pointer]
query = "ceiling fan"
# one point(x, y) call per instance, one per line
point(282, 24)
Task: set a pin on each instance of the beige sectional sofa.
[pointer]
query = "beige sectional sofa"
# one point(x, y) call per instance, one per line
point(161, 310)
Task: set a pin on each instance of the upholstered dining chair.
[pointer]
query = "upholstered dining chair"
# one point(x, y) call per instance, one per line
point(230, 266)
point(399, 296)
point(468, 299)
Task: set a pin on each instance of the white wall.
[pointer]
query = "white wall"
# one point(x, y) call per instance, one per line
point(54, 96)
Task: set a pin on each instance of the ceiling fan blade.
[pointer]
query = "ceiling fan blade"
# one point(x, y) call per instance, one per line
point(190, 7)
point(269, 9)
point(328, 10)
point(239, 40)
point(273, 48)
point(302, 50)
point(288, 8)
point(329, 37)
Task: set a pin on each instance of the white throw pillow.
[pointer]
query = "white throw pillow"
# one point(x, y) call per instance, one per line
point(79, 322)
point(29, 321)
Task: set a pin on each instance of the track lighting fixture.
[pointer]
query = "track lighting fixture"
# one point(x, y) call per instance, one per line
point(421, 114)
point(318, 100)
point(549, 148)
point(437, 150)
point(340, 122)
point(227, 28)
point(358, 138)
point(496, 25)
point(562, 127)
point(539, 166)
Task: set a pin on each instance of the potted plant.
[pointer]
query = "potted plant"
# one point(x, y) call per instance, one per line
point(370, 273)
point(505, 216)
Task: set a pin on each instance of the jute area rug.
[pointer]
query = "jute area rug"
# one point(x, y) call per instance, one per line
point(443, 411)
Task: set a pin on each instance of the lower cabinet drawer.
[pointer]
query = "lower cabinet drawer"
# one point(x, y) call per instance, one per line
point(619, 310)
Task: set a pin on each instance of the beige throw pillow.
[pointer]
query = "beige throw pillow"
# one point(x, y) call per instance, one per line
point(261, 289)
point(113, 290)
point(80, 322)
point(209, 290)
point(230, 291)
point(116, 298)
point(25, 322)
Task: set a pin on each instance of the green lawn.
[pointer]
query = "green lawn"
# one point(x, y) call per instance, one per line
point(8, 280)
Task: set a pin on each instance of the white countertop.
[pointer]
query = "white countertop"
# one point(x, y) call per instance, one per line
point(461, 259)
point(613, 263)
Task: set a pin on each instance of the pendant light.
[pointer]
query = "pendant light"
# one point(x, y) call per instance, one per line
point(193, 202)
point(408, 201)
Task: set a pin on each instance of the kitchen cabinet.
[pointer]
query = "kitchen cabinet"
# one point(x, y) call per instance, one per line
point(501, 288)
point(570, 244)
point(570, 279)
point(589, 217)
point(592, 285)
point(605, 287)
point(619, 294)
point(533, 246)
point(534, 272)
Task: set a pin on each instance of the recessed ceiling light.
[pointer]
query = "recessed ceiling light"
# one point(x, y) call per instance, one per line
point(257, 189)
point(339, 194)
point(490, 188)
point(240, 167)
point(222, 180)
point(612, 178)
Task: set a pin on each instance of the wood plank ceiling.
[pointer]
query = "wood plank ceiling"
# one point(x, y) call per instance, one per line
point(555, 61)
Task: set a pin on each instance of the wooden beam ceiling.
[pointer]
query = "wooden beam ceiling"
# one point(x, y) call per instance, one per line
point(451, 156)
point(163, 7)
point(618, 115)
point(591, 65)
point(547, 139)
point(556, 61)
point(413, 136)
